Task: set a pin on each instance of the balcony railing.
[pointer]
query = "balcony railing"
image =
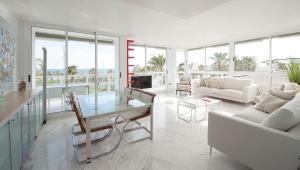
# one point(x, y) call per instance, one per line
point(105, 82)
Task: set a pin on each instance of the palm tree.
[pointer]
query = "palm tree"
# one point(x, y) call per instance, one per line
point(180, 67)
point(201, 67)
point(249, 63)
point(138, 69)
point(92, 70)
point(91, 75)
point(157, 63)
point(220, 61)
point(72, 70)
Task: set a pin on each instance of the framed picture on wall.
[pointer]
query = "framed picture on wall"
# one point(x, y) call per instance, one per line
point(7, 55)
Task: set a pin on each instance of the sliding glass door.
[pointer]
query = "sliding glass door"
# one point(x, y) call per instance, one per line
point(107, 72)
point(81, 63)
point(54, 42)
point(84, 63)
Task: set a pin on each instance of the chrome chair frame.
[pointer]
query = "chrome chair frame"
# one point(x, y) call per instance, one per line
point(76, 133)
point(149, 112)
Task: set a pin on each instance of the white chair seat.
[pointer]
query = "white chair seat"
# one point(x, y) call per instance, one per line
point(183, 88)
point(252, 115)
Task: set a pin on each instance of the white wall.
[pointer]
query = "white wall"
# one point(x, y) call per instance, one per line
point(9, 17)
point(13, 22)
point(24, 62)
point(123, 61)
point(171, 68)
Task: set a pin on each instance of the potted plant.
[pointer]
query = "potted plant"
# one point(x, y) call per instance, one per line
point(293, 71)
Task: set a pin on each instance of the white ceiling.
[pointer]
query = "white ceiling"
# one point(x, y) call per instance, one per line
point(194, 24)
point(179, 8)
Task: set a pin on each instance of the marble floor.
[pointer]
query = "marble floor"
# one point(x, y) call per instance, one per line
point(176, 145)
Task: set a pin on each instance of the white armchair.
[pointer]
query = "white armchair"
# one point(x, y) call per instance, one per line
point(184, 85)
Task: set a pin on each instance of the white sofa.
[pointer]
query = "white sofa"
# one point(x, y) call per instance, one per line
point(235, 89)
point(262, 148)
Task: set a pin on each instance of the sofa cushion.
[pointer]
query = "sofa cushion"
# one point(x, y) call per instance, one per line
point(185, 82)
point(290, 86)
point(286, 95)
point(221, 81)
point(183, 88)
point(270, 103)
point(252, 115)
point(208, 90)
point(294, 106)
point(295, 130)
point(207, 82)
point(237, 84)
point(231, 93)
point(281, 119)
point(215, 83)
point(202, 82)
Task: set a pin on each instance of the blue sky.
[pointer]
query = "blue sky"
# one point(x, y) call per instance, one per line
point(81, 54)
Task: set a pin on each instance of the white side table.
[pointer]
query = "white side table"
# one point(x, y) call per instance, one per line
point(192, 104)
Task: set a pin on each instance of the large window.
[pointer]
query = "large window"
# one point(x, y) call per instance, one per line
point(107, 65)
point(54, 42)
point(284, 50)
point(252, 61)
point(196, 60)
point(156, 65)
point(252, 55)
point(156, 59)
point(180, 64)
point(217, 58)
point(151, 61)
point(56, 58)
point(81, 47)
point(139, 60)
point(71, 64)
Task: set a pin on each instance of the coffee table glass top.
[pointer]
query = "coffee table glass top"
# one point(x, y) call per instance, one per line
point(108, 103)
point(199, 102)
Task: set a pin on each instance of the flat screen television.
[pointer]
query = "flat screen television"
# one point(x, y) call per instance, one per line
point(141, 82)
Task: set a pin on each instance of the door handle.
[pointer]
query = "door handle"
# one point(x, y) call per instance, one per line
point(299, 165)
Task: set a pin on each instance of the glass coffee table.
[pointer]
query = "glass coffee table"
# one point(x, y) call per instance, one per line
point(190, 106)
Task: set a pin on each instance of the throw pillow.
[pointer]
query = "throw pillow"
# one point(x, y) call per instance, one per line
point(270, 103)
point(207, 82)
point(202, 82)
point(290, 86)
point(294, 106)
point(281, 119)
point(214, 83)
point(286, 95)
point(221, 83)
